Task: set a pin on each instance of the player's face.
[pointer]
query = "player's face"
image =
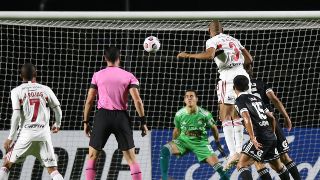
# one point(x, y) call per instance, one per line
point(190, 99)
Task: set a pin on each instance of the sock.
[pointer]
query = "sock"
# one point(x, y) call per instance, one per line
point(284, 174)
point(164, 161)
point(245, 174)
point(55, 175)
point(135, 171)
point(229, 136)
point(4, 173)
point(292, 168)
point(264, 174)
point(218, 168)
point(238, 134)
point(91, 170)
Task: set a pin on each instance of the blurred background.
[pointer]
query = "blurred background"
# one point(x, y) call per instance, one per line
point(157, 5)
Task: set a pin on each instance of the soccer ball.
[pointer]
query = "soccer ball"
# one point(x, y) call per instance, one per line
point(151, 44)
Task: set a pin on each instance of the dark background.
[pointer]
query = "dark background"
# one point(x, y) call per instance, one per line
point(157, 5)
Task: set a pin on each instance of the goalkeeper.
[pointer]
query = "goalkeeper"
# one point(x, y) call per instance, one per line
point(190, 135)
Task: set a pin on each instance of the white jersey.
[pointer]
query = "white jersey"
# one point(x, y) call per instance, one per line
point(34, 101)
point(230, 61)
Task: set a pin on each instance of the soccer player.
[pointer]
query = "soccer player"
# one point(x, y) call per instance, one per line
point(260, 125)
point(190, 134)
point(266, 94)
point(31, 103)
point(229, 55)
point(112, 85)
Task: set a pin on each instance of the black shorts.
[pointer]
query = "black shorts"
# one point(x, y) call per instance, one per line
point(267, 153)
point(111, 121)
point(282, 143)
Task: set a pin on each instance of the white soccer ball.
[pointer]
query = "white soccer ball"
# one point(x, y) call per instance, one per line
point(151, 44)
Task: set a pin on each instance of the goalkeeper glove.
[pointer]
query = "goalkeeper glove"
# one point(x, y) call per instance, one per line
point(220, 149)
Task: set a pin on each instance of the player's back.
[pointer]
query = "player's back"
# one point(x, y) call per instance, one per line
point(257, 110)
point(229, 57)
point(260, 89)
point(34, 101)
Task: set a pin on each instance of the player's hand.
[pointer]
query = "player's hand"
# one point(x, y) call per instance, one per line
point(256, 144)
point(220, 149)
point(87, 129)
point(144, 130)
point(55, 128)
point(7, 144)
point(287, 124)
point(183, 55)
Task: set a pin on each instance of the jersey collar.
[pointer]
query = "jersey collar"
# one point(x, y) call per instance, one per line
point(242, 93)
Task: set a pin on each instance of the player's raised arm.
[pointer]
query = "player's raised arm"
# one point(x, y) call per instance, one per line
point(134, 92)
point(247, 56)
point(278, 104)
point(209, 54)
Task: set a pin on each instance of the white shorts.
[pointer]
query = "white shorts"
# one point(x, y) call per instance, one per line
point(225, 92)
point(42, 150)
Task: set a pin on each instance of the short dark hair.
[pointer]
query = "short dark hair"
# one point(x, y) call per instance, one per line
point(241, 83)
point(28, 71)
point(191, 90)
point(112, 54)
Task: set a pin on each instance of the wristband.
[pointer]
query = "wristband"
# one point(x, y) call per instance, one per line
point(142, 120)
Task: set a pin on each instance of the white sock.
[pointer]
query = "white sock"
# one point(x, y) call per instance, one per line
point(55, 175)
point(229, 136)
point(238, 134)
point(4, 173)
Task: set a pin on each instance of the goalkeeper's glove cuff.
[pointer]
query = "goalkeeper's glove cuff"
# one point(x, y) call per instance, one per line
point(143, 120)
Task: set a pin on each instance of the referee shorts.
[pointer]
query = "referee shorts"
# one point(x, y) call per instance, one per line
point(111, 121)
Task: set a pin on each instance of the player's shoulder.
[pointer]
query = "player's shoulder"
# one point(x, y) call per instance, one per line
point(181, 112)
point(204, 111)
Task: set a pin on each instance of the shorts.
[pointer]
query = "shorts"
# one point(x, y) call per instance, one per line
point(111, 121)
point(225, 92)
point(42, 150)
point(282, 143)
point(200, 147)
point(267, 153)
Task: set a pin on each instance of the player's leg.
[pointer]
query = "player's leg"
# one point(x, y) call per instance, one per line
point(262, 170)
point(99, 136)
point(124, 135)
point(4, 170)
point(238, 131)
point(54, 173)
point(243, 165)
point(290, 165)
point(167, 150)
point(280, 169)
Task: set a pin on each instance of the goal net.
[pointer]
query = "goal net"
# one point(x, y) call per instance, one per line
point(66, 53)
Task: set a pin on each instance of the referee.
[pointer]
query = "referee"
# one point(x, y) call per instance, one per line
point(112, 85)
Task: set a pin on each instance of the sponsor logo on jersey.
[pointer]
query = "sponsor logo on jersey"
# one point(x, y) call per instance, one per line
point(264, 123)
point(29, 126)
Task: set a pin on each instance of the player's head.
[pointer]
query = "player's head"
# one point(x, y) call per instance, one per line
point(28, 72)
point(241, 83)
point(215, 28)
point(191, 98)
point(112, 55)
point(248, 68)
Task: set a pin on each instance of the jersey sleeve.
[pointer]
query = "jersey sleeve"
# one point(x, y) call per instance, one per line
point(240, 106)
point(53, 100)
point(133, 81)
point(15, 100)
point(177, 121)
point(94, 83)
point(210, 121)
point(211, 43)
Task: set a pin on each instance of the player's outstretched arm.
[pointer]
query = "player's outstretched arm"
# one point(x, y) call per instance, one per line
point(248, 125)
point(278, 104)
point(87, 108)
point(206, 55)
point(134, 92)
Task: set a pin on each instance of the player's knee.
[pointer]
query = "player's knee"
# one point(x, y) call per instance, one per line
point(285, 159)
point(166, 150)
point(7, 164)
point(51, 169)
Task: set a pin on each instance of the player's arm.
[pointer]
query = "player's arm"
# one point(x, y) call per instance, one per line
point(175, 133)
point(54, 104)
point(248, 125)
point(272, 120)
point(278, 104)
point(92, 92)
point(209, 54)
point(176, 130)
point(134, 92)
point(247, 56)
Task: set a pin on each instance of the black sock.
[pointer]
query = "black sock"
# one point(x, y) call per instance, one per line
point(264, 174)
point(284, 174)
point(292, 168)
point(245, 174)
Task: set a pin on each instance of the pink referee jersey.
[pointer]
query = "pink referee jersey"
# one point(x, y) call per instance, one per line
point(113, 84)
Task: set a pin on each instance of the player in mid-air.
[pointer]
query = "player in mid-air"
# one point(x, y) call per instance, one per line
point(112, 85)
point(229, 55)
point(190, 135)
point(260, 125)
point(266, 94)
point(31, 104)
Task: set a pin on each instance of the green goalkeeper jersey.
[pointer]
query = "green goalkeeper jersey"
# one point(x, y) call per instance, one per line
point(199, 122)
